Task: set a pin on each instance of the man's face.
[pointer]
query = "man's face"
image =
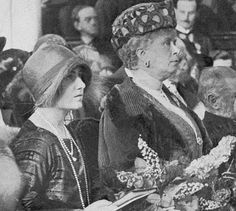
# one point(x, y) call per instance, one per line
point(163, 55)
point(223, 98)
point(88, 21)
point(186, 12)
point(230, 96)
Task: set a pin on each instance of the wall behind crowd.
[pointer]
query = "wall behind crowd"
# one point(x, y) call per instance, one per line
point(20, 23)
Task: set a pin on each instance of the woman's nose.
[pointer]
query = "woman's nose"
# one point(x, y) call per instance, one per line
point(79, 83)
point(175, 49)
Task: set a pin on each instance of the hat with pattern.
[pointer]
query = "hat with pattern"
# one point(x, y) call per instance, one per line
point(140, 19)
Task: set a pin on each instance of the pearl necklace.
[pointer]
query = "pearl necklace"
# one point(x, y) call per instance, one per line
point(70, 158)
point(72, 142)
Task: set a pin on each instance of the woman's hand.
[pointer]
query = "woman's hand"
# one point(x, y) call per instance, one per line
point(101, 205)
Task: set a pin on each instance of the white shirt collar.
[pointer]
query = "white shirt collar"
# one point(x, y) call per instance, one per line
point(182, 29)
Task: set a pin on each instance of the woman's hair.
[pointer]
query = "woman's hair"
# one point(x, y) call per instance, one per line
point(128, 52)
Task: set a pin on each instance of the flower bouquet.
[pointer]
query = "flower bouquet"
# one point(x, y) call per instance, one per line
point(200, 186)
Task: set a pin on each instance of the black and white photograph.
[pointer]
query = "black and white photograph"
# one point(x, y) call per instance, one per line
point(117, 105)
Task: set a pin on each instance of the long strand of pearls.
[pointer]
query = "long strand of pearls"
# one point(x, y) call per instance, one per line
point(69, 157)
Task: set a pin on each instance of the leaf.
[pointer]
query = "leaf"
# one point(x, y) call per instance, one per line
point(140, 165)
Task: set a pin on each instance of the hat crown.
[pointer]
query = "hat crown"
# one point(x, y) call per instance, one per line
point(140, 19)
point(42, 61)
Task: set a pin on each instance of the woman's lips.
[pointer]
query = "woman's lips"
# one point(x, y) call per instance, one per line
point(79, 95)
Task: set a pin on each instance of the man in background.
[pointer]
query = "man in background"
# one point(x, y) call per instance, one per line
point(85, 22)
point(186, 13)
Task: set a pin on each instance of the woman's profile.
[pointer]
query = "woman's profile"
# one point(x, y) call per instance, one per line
point(50, 157)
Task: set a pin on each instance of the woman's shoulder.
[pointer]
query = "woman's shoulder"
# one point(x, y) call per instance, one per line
point(33, 138)
point(126, 100)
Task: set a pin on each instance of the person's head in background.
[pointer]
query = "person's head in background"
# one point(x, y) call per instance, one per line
point(85, 21)
point(98, 63)
point(186, 12)
point(217, 90)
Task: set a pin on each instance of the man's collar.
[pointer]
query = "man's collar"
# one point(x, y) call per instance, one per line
point(87, 40)
point(182, 30)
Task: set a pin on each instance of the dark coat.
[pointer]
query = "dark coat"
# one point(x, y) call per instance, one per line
point(131, 111)
point(188, 92)
point(47, 173)
point(199, 39)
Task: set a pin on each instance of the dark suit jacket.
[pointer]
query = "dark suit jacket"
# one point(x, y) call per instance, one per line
point(188, 92)
point(224, 127)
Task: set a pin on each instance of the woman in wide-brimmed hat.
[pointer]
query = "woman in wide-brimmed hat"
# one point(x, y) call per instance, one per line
point(50, 156)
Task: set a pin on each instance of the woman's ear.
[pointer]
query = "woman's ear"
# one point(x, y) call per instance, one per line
point(212, 100)
point(140, 53)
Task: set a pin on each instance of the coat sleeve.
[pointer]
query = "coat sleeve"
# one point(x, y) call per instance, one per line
point(33, 156)
point(116, 148)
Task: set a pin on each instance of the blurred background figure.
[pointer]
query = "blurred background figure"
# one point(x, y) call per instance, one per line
point(226, 12)
point(85, 22)
point(99, 64)
point(56, 16)
point(217, 91)
point(86, 25)
point(11, 62)
point(186, 13)
point(10, 182)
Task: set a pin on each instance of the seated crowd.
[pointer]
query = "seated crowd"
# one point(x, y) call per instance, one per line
point(72, 113)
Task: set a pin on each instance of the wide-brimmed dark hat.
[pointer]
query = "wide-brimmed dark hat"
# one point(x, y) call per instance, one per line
point(141, 19)
point(47, 67)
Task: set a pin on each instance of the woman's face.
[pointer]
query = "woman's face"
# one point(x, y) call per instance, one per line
point(163, 55)
point(72, 92)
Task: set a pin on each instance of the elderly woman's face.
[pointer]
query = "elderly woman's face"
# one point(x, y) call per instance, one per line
point(164, 55)
point(72, 92)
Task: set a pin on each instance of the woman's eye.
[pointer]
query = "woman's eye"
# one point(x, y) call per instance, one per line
point(71, 76)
